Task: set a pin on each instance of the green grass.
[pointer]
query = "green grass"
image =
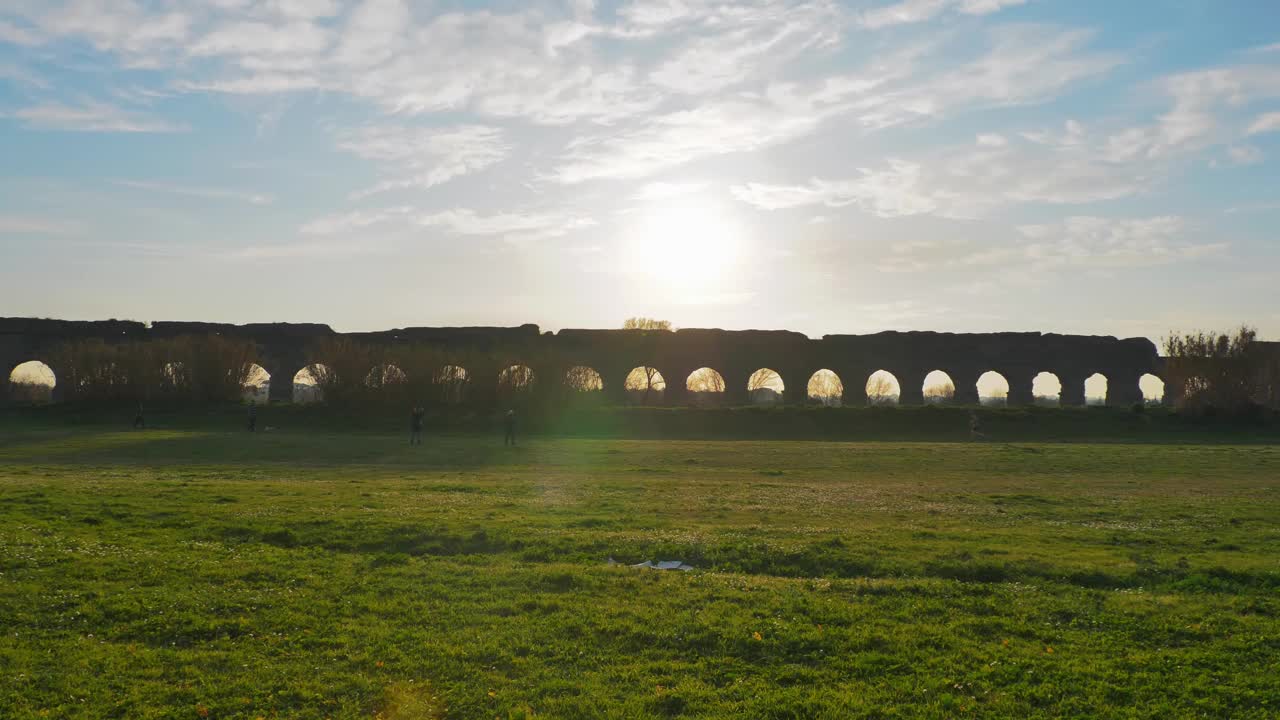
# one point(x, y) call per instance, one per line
point(180, 573)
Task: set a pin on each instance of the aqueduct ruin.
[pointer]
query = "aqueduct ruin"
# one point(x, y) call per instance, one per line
point(286, 349)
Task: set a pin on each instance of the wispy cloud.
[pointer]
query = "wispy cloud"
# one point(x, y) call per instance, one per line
point(27, 225)
point(91, 116)
point(424, 157)
point(915, 11)
point(514, 227)
point(198, 192)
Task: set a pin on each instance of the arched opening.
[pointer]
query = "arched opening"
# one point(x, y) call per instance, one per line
point(938, 388)
point(309, 382)
point(583, 379)
point(1095, 390)
point(645, 386)
point(706, 387)
point(1152, 389)
point(515, 383)
point(452, 382)
point(32, 383)
point(385, 376)
point(257, 385)
point(826, 389)
point(765, 387)
point(1046, 390)
point(993, 389)
point(883, 388)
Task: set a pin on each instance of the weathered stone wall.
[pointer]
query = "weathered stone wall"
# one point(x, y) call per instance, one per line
point(284, 349)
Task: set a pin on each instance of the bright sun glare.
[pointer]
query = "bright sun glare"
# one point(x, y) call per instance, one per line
point(684, 248)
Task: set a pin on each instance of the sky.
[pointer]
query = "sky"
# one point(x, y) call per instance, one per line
point(825, 167)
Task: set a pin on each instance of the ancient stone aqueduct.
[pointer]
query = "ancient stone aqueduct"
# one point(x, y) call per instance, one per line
point(284, 349)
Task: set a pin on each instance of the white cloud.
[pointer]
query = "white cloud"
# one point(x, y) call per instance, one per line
point(971, 182)
point(1244, 155)
point(513, 227)
point(355, 220)
point(1265, 123)
point(984, 7)
point(1107, 242)
point(892, 192)
point(14, 35)
point(510, 226)
point(198, 192)
point(915, 11)
point(713, 128)
point(25, 225)
point(992, 140)
point(91, 116)
point(662, 190)
point(425, 157)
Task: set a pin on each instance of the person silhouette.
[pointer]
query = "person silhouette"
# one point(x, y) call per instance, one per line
point(253, 417)
point(416, 418)
point(509, 426)
point(975, 427)
point(139, 422)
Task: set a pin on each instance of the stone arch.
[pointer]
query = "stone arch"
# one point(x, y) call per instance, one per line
point(645, 386)
point(705, 386)
point(309, 382)
point(515, 383)
point(452, 381)
point(1153, 389)
point(938, 388)
point(32, 382)
point(765, 387)
point(825, 388)
point(257, 385)
point(385, 375)
point(1095, 389)
point(1046, 390)
point(993, 389)
point(883, 388)
point(581, 378)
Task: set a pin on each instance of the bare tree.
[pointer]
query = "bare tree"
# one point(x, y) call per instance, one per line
point(826, 388)
point(583, 379)
point(880, 390)
point(939, 393)
point(645, 381)
point(644, 323)
point(765, 386)
point(706, 380)
point(452, 381)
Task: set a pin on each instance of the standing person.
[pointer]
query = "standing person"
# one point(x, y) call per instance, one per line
point(975, 428)
point(415, 425)
point(253, 417)
point(509, 426)
point(139, 422)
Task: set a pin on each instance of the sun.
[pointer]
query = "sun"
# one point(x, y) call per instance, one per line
point(684, 247)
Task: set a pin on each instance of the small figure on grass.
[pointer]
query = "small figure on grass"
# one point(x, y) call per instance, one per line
point(139, 421)
point(509, 429)
point(253, 417)
point(975, 427)
point(416, 420)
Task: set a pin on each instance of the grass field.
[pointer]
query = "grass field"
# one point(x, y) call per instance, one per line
point(175, 573)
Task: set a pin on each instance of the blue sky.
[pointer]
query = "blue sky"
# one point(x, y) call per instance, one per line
point(968, 165)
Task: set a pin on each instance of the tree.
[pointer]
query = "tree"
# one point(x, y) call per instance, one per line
point(644, 323)
point(943, 392)
point(644, 381)
point(880, 390)
point(826, 388)
point(1209, 369)
point(765, 386)
point(583, 379)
